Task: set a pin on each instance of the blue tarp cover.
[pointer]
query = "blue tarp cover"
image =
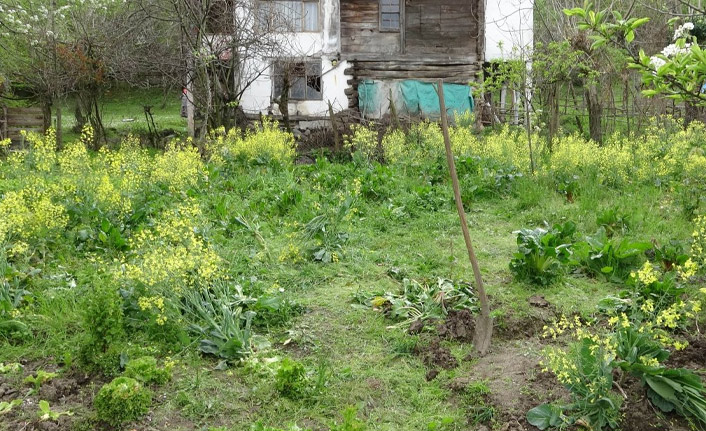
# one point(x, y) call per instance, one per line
point(418, 97)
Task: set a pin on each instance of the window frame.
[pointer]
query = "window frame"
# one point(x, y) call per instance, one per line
point(306, 63)
point(400, 13)
point(319, 26)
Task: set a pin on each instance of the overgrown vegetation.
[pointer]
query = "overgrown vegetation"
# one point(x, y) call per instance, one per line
point(187, 271)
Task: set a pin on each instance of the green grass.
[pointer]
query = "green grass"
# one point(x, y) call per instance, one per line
point(370, 365)
point(123, 112)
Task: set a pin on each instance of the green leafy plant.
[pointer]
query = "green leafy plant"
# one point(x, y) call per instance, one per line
point(613, 222)
point(47, 414)
point(588, 367)
point(327, 231)
point(146, 370)
point(11, 368)
point(546, 416)
point(7, 406)
point(587, 372)
point(112, 237)
point(421, 300)
point(670, 255)
point(103, 320)
point(611, 258)
point(350, 421)
point(12, 295)
point(218, 317)
point(39, 379)
point(291, 380)
point(671, 390)
point(542, 253)
point(122, 400)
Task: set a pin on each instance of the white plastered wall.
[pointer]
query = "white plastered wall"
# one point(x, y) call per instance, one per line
point(325, 45)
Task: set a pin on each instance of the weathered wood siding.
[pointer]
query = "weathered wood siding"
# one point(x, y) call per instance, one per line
point(433, 27)
point(360, 30)
point(437, 39)
point(441, 27)
point(14, 120)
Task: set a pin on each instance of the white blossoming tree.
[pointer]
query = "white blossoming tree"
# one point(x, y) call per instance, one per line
point(677, 72)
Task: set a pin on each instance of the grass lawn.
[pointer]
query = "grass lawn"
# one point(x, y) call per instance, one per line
point(124, 112)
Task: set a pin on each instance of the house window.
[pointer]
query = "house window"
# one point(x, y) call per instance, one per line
point(304, 79)
point(289, 16)
point(390, 15)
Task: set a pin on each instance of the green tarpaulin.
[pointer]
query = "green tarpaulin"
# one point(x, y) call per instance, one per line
point(418, 98)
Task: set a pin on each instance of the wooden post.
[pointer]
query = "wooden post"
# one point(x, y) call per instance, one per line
point(503, 103)
point(484, 325)
point(334, 127)
point(393, 113)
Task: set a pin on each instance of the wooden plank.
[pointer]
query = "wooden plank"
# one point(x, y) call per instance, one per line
point(17, 130)
point(25, 122)
point(28, 111)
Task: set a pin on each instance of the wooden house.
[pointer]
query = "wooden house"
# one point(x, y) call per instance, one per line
point(363, 54)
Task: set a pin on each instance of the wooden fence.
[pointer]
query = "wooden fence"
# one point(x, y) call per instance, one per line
point(14, 120)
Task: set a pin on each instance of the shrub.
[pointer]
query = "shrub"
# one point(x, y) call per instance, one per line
point(146, 370)
point(122, 400)
point(267, 143)
point(363, 140)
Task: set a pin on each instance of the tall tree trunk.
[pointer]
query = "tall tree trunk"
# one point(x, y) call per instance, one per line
point(595, 112)
point(284, 98)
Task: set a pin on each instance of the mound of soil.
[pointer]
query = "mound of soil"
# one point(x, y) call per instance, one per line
point(435, 356)
point(513, 327)
point(458, 326)
point(517, 383)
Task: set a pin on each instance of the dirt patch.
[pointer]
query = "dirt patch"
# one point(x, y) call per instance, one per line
point(516, 382)
point(59, 389)
point(435, 356)
point(512, 326)
point(458, 326)
point(416, 327)
point(640, 415)
point(693, 357)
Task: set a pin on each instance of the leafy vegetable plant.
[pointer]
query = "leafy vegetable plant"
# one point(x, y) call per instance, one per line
point(122, 400)
point(611, 258)
point(291, 380)
point(7, 406)
point(39, 379)
point(47, 414)
point(422, 301)
point(542, 253)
